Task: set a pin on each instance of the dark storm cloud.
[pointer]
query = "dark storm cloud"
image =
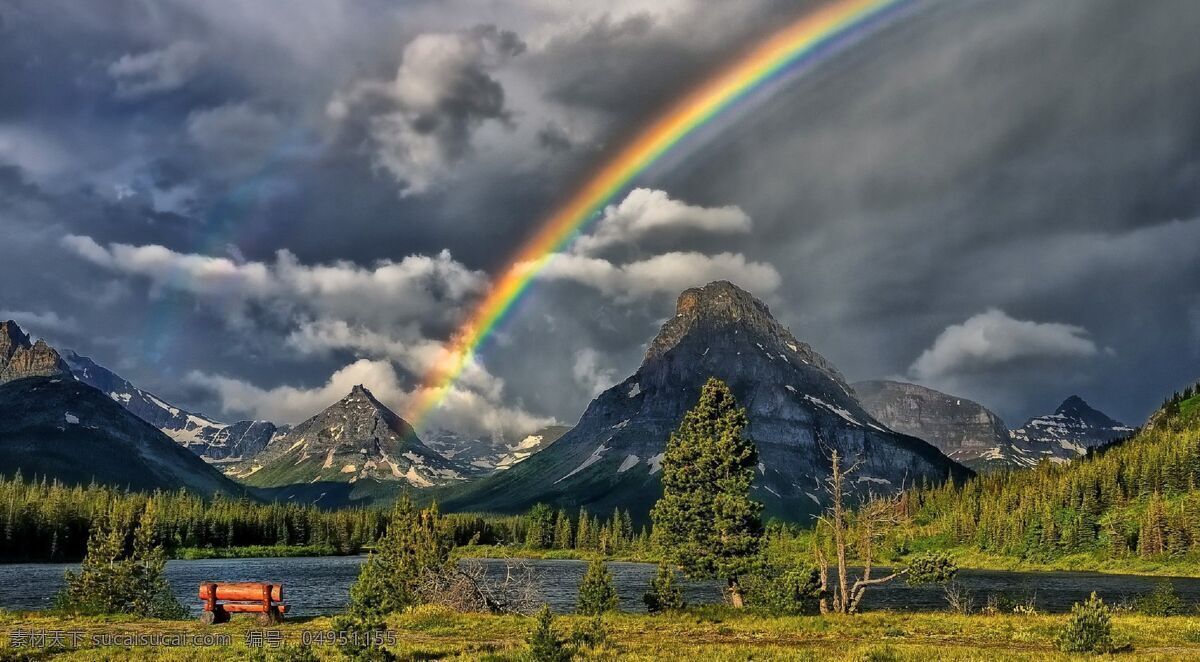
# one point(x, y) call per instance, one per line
point(1038, 159)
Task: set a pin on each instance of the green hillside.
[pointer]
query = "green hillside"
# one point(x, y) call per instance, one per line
point(1136, 500)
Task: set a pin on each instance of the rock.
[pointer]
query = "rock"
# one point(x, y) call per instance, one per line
point(964, 430)
point(20, 359)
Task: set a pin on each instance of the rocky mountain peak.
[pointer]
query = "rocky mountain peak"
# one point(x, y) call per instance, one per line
point(1073, 428)
point(355, 438)
point(20, 359)
point(720, 308)
point(1077, 408)
point(11, 339)
point(797, 404)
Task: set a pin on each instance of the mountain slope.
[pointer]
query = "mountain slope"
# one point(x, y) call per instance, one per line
point(64, 429)
point(1073, 429)
point(354, 439)
point(19, 358)
point(198, 433)
point(964, 430)
point(799, 408)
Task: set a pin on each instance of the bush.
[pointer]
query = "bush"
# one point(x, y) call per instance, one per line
point(1089, 629)
point(596, 593)
point(544, 643)
point(784, 591)
point(1162, 601)
point(117, 577)
point(664, 594)
point(931, 568)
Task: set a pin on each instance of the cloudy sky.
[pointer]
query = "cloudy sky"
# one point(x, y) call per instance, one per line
point(248, 208)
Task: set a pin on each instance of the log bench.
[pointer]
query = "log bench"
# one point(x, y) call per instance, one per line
point(224, 598)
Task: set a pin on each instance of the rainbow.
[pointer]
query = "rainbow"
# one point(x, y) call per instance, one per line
point(801, 42)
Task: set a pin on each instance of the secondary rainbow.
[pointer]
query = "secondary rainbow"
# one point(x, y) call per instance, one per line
point(802, 41)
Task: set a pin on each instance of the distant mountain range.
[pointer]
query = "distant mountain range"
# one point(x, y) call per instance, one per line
point(970, 433)
point(62, 414)
point(200, 434)
point(799, 406)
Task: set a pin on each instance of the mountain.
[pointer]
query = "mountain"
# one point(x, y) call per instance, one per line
point(200, 434)
point(19, 358)
point(357, 438)
point(1073, 429)
point(63, 429)
point(798, 404)
point(487, 456)
point(964, 430)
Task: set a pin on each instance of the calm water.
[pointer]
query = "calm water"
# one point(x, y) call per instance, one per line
point(314, 586)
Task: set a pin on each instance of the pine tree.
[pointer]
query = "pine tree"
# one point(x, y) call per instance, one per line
point(540, 534)
point(705, 521)
point(596, 593)
point(545, 645)
point(664, 593)
point(562, 531)
point(583, 532)
point(415, 542)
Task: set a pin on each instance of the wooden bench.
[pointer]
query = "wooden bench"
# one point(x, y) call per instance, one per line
point(242, 597)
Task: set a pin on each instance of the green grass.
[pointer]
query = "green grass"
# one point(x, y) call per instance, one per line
point(1190, 408)
point(710, 633)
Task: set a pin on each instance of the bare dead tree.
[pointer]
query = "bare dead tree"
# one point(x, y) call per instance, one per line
point(469, 587)
point(867, 527)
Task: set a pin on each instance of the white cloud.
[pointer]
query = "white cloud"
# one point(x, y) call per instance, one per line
point(993, 338)
point(157, 71)
point(591, 373)
point(290, 404)
point(647, 211)
point(377, 312)
point(461, 409)
point(670, 273)
point(420, 123)
point(404, 345)
point(40, 323)
point(415, 288)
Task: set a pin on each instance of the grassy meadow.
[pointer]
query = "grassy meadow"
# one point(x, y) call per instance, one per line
point(708, 633)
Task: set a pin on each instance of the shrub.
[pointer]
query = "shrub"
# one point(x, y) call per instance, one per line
point(544, 643)
point(1089, 629)
point(596, 593)
point(931, 568)
point(117, 577)
point(664, 594)
point(784, 591)
point(1162, 601)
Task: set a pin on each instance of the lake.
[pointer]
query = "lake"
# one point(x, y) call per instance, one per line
point(321, 585)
